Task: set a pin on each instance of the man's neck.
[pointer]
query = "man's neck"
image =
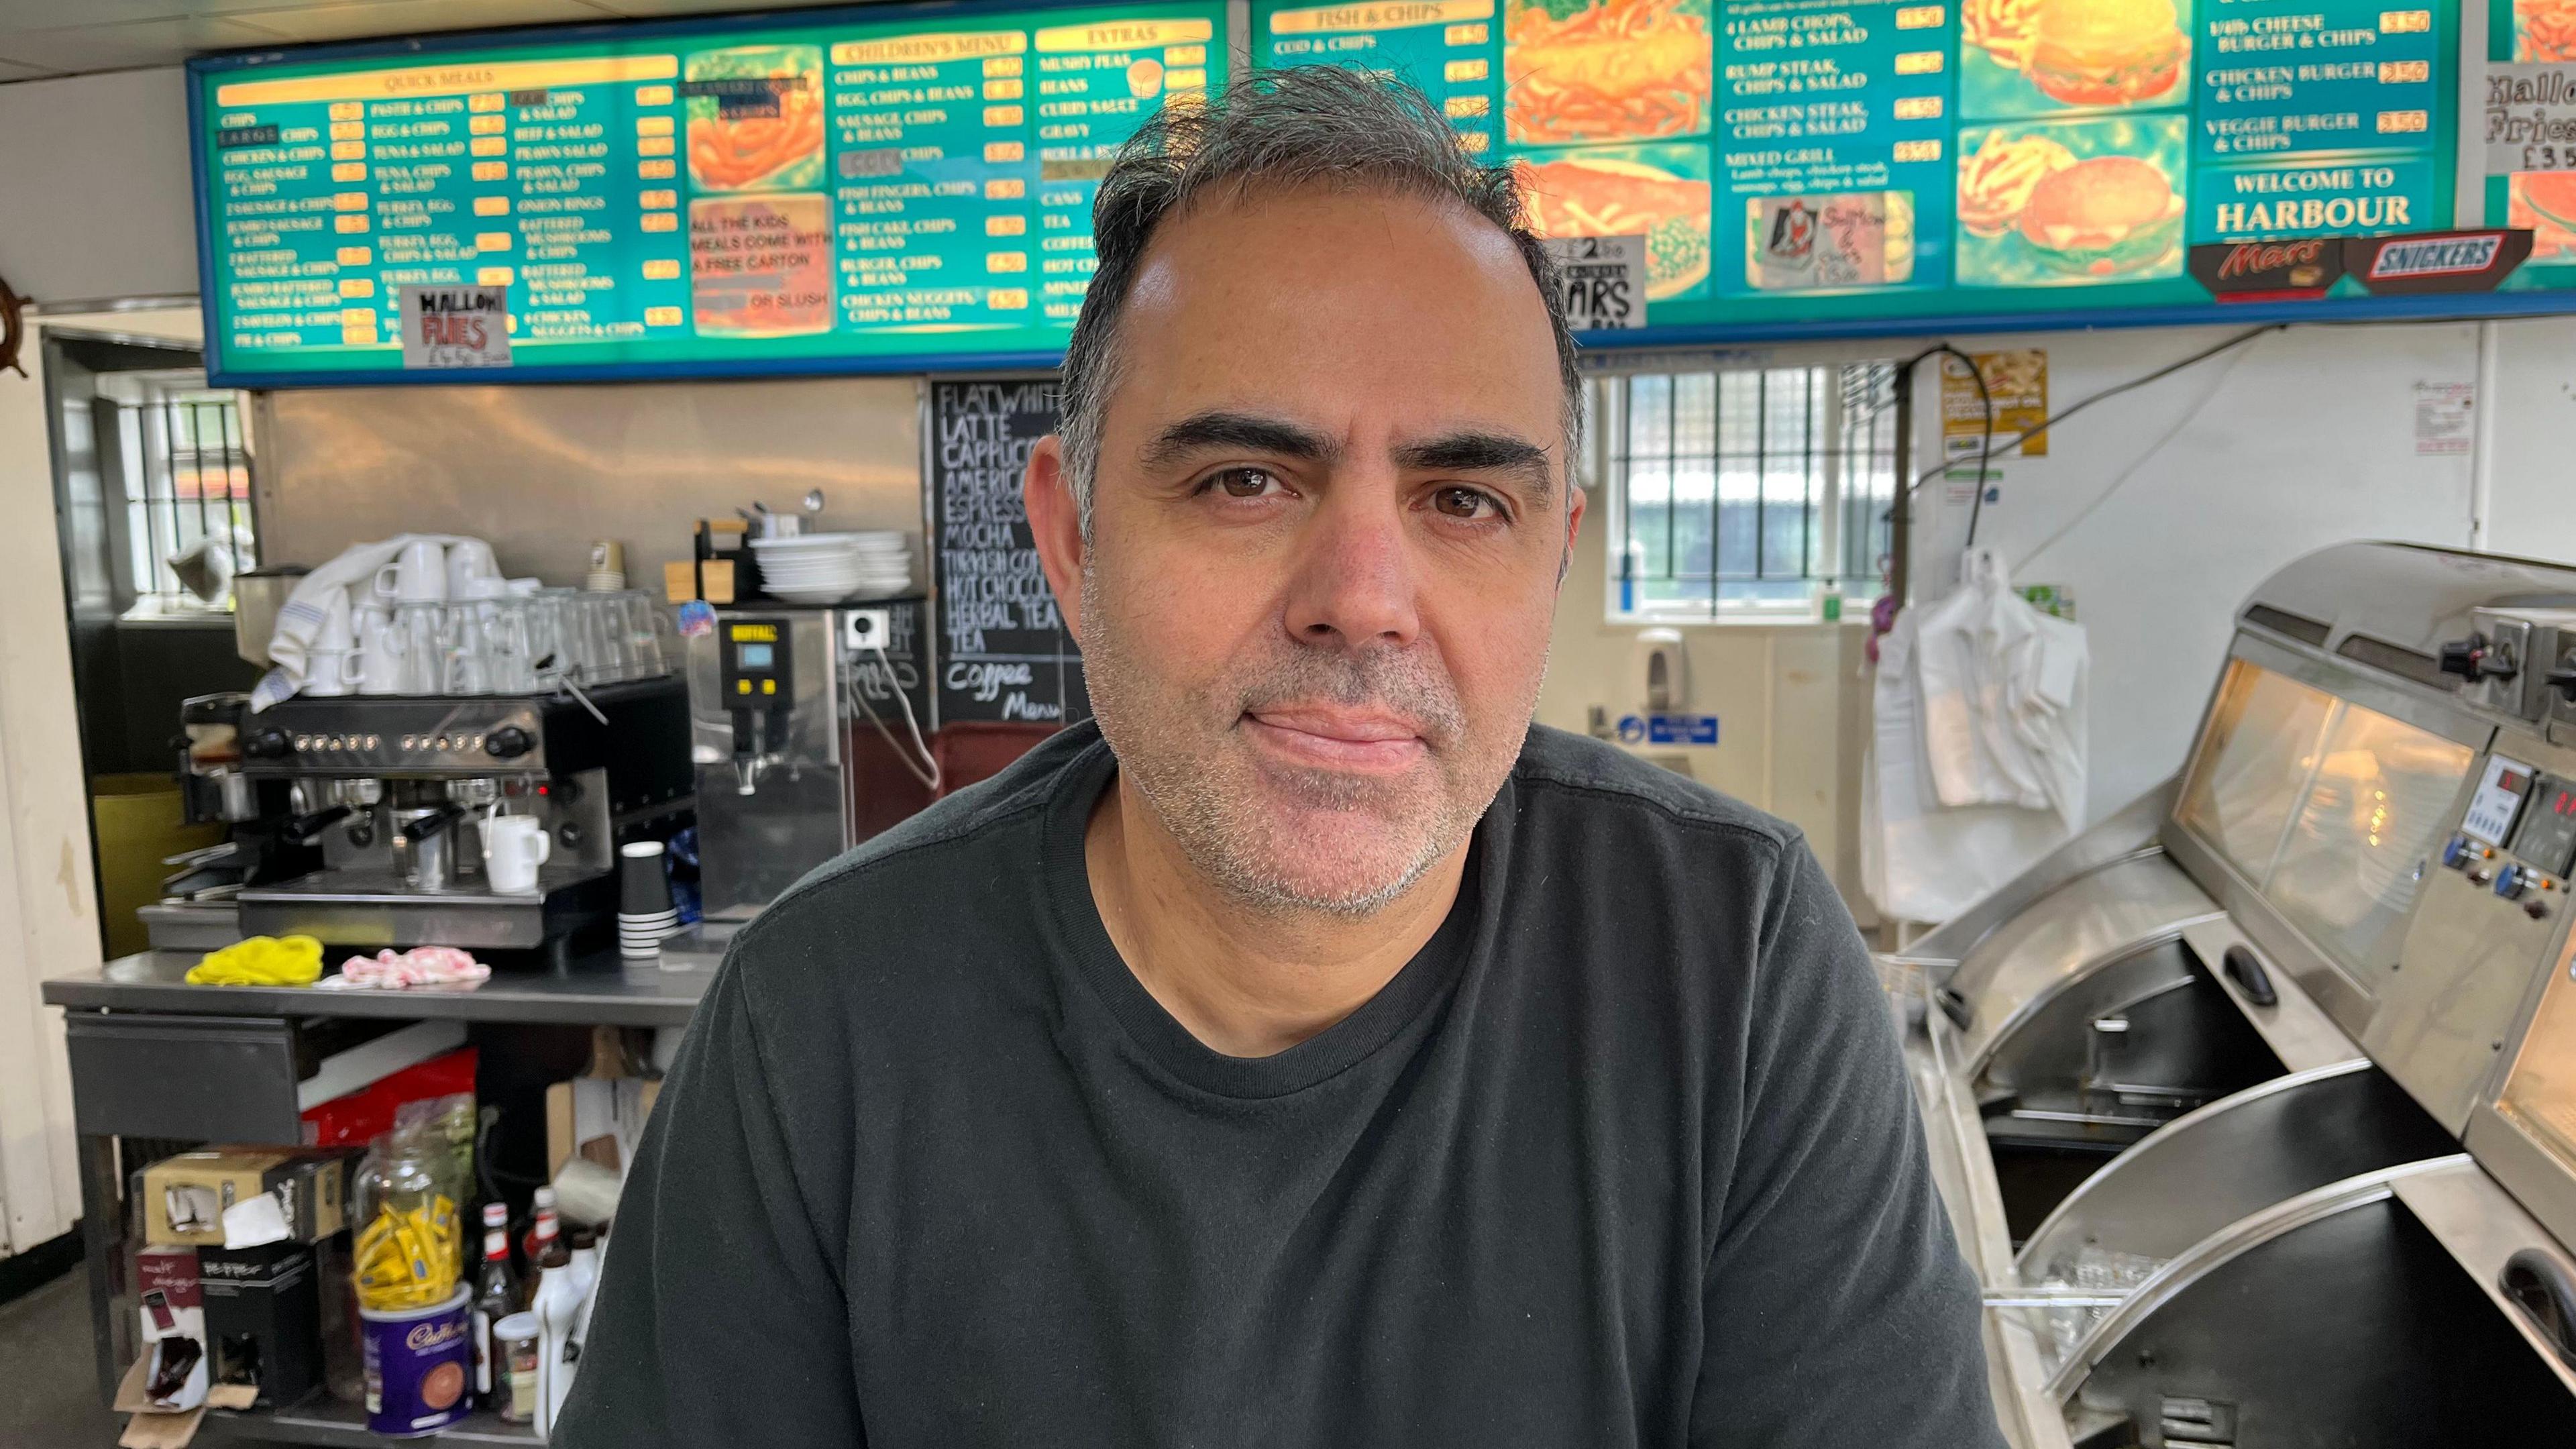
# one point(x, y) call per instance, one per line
point(1245, 982)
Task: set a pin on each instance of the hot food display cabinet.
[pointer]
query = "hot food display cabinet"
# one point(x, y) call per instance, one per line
point(2218, 1094)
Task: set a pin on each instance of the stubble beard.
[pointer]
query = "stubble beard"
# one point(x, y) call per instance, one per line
point(1219, 802)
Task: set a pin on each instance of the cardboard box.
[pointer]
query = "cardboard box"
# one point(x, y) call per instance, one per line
point(263, 1319)
point(184, 1197)
point(172, 1273)
point(600, 1118)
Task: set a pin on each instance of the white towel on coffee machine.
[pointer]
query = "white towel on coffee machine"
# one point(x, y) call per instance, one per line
point(302, 615)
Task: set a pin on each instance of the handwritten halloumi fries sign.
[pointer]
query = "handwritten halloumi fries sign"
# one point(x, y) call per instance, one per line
point(455, 326)
point(1602, 279)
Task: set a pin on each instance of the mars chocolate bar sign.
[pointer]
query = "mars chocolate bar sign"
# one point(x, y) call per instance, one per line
point(2443, 261)
point(2306, 268)
point(2269, 271)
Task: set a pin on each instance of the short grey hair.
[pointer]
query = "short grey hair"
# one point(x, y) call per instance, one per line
point(1305, 126)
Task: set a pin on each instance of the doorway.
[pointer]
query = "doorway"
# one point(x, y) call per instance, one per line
point(152, 498)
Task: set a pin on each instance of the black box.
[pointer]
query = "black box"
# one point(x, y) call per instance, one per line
point(263, 1318)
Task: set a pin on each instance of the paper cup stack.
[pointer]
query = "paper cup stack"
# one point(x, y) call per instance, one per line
point(825, 568)
point(645, 913)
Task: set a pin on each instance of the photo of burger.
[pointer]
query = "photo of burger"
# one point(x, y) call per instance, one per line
point(1995, 180)
point(2104, 53)
point(2072, 202)
point(2104, 217)
point(2047, 57)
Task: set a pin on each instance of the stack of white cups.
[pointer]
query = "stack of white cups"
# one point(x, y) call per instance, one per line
point(331, 665)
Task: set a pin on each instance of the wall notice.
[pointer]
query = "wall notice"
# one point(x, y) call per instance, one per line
point(2018, 383)
point(455, 326)
point(1004, 654)
point(1603, 280)
point(2442, 418)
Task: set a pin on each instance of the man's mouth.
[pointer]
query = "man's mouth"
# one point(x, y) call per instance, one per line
point(1337, 737)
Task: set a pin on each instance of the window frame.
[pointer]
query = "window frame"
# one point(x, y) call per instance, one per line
point(1826, 497)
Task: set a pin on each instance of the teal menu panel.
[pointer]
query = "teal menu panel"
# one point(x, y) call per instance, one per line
point(1812, 167)
point(892, 188)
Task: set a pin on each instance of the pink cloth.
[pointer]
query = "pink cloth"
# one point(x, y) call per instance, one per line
point(433, 966)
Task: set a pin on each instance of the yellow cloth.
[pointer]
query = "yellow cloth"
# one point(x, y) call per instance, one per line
point(261, 961)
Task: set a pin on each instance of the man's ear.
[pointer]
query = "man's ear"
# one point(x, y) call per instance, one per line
point(1046, 491)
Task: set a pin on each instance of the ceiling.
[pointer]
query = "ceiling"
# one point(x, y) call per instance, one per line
point(44, 38)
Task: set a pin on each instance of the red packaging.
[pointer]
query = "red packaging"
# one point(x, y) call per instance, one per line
point(170, 1271)
point(356, 1119)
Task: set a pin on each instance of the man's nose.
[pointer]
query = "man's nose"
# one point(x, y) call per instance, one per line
point(1355, 580)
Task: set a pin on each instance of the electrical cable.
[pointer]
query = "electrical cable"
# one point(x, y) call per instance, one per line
point(2190, 416)
point(912, 723)
point(2169, 369)
point(1985, 398)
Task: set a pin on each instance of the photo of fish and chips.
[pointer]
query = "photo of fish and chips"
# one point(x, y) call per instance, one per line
point(2071, 202)
point(2051, 57)
point(1660, 192)
point(2545, 201)
point(1826, 242)
point(1583, 71)
point(755, 118)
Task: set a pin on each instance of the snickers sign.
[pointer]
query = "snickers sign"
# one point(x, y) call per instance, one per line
point(2444, 261)
point(2301, 269)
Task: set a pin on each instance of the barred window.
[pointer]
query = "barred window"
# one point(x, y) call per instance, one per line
point(1746, 493)
point(185, 467)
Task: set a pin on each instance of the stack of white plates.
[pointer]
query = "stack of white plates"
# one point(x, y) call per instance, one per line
point(825, 568)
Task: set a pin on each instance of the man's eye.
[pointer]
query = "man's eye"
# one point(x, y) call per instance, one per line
point(1464, 503)
point(1243, 482)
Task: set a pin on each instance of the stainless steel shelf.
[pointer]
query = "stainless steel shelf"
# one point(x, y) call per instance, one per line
point(327, 1421)
point(600, 990)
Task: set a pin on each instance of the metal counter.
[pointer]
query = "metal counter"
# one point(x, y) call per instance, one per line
point(600, 990)
point(216, 1046)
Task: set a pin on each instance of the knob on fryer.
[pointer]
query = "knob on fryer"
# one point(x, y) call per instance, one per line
point(2474, 658)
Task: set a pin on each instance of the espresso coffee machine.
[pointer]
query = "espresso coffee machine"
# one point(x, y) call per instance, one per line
point(268, 836)
point(404, 784)
point(808, 729)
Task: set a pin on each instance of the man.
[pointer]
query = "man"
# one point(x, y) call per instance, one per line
point(1312, 1054)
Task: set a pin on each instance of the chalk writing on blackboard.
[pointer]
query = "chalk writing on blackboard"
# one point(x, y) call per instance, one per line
point(1004, 653)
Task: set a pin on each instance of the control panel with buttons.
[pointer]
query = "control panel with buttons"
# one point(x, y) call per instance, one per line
point(2517, 839)
point(417, 737)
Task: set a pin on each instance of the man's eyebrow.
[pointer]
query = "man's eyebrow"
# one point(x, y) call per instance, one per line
point(1248, 432)
point(1480, 452)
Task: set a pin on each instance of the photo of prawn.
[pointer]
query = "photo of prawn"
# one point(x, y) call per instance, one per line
point(754, 117)
point(2073, 202)
point(1658, 192)
point(2055, 57)
point(1605, 70)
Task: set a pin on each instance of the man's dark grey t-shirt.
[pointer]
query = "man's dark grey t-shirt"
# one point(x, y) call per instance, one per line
point(1625, 1156)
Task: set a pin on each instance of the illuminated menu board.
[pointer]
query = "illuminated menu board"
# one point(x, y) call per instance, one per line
point(1813, 167)
point(894, 188)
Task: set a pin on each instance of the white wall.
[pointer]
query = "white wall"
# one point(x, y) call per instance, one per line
point(2161, 509)
point(94, 188)
point(2164, 507)
point(48, 905)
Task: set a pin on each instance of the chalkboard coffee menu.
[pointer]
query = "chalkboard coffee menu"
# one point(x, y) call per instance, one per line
point(1004, 654)
point(825, 190)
